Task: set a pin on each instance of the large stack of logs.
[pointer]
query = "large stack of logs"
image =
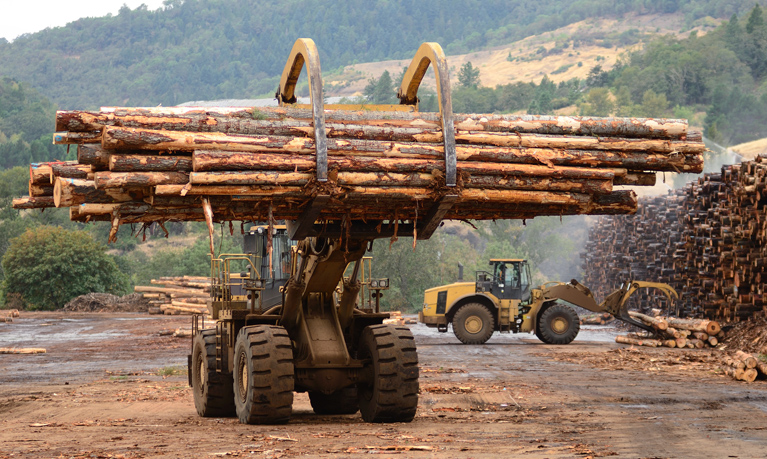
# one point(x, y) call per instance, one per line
point(708, 240)
point(640, 247)
point(177, 295)
point(144, 165)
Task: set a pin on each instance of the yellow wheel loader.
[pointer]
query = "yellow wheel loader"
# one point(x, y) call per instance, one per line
point(504, 300)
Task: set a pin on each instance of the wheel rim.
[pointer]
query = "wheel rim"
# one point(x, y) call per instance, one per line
point(473, 325)
point(242, 370)
point(200, 373)
point(559, 325)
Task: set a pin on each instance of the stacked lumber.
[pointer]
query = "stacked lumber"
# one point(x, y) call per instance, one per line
point(674, 332)
point(177, 295)
point(144, 165)
point(743, 366)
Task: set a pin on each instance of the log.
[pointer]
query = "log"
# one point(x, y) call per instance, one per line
point(73, 192)
point(131, 138)
point(68, 169)
point(107, 179)
point(707, 326)
point(40, 173)
point(529, 183)
point(37, 191)
point(21, 350)
point(210, 118)
point(93, 155)
point(169, 291)
point(657, 323)
point(149, 163)
point(29, 202)
point(638, 342)
point(749, 360)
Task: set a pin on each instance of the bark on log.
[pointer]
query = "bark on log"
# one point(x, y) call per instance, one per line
point(149, 163)
point(68, 169)
point(29, 202)
point(40, 173)
point(107, 179)
point(73, 192)
point(93, 155)
point(37, 191)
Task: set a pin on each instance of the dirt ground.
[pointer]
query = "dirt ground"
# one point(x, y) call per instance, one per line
point(115, 385)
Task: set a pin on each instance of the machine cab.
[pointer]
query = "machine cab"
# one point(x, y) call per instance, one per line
point(511, 279)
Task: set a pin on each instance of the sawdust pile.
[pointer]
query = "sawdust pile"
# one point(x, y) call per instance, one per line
point(106, 302)
point(748, 336)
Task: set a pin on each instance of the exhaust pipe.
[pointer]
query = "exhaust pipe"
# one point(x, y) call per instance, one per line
point(460, 272)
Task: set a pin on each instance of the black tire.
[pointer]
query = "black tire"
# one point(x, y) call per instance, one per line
point(263, 375)
point(213, 394)
point(343, 401)
point(392, 362)
point(558, 324)
point(473, 324)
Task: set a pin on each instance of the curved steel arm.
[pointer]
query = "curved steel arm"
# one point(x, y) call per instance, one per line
point(431, 53)
point(305, 51)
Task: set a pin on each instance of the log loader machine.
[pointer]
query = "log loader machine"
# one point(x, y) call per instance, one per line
point(280, 327)
point(504, 300)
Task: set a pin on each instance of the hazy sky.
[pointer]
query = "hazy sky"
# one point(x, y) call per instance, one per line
point(18, 17)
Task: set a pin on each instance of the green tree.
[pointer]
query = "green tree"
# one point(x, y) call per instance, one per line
point(598, 103)
point(48, 266)
point(468, 76)
point(544, 94)
point(654, 105)
point(381, 90)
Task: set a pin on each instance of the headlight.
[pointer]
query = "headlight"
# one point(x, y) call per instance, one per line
point(258, 284)
point(374, 284)
point(385, 283)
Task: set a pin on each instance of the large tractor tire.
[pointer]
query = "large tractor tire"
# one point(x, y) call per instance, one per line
point(392, 362)
point(473, 324)
point(344, 401)
point(263, 375)
point(213, 392)
point(558, 324)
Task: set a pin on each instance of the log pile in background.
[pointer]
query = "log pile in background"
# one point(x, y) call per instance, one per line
point(8, 315)
point(144, 165)
point(177, 295)
point(708, 241)
point(639, 247)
